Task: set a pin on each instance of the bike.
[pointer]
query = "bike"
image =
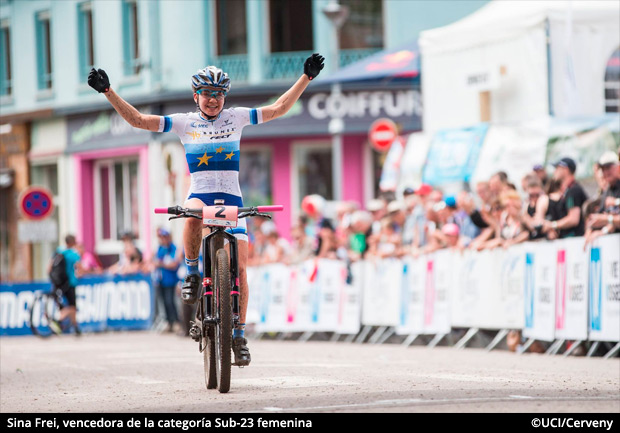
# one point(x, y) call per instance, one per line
point(44, 311)
point(217, 310)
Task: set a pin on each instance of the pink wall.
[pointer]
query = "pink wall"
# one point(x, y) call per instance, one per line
point(353, 169)
point(280, 180)
point(85, 192)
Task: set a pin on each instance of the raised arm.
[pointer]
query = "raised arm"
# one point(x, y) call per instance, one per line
point(312, 68)
point(98, 80)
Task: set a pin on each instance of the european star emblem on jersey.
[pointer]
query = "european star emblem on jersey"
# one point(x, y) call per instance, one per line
point(219, 149)
point(204, 159)
point(193, 134)
point(230, 155)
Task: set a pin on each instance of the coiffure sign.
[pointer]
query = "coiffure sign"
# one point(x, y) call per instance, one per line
point(312, 113)
point(392, 104)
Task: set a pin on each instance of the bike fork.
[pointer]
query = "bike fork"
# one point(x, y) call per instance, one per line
point(235, 293)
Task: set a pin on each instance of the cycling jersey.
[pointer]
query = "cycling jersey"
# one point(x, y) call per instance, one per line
point(212, 153)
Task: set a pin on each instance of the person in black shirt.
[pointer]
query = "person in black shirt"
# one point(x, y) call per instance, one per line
point(602, 221)
point(573, 198)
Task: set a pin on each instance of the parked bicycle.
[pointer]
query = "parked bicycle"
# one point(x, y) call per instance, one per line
point(217, 310)
point(44, 313)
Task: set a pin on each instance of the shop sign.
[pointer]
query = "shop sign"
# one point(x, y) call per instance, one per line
point(102, 128)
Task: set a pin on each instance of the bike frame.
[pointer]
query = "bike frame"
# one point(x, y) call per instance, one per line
point(207, 281)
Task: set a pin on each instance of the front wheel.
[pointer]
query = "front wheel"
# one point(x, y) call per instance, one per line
point(224, 329)
point(208, 347)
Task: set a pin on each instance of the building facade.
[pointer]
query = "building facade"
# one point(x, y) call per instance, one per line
point(106, 177)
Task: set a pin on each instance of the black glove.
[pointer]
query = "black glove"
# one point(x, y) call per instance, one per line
point(98, 80)
point(313, 65)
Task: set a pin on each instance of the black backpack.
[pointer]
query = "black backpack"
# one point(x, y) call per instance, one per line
point(58, 273)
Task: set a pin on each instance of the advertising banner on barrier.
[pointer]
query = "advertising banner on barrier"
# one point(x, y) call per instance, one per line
point(471, 275)
point(350, 304)
point(254, 278)
point(510, 288)
point(103, 303)
point(412, 297)
point(571, 295)
point(539, 291)
point(604, 288)
point(382, 285)
point(273, 286)
point(437, 288)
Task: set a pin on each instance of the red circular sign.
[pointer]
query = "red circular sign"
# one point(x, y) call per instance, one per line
point(382, 134)
point(36, 202)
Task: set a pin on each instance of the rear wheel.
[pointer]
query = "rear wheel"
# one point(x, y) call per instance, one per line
point(224, 329)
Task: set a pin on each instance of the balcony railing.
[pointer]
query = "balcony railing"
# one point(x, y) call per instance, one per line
point(235, 65)
point(284, 66)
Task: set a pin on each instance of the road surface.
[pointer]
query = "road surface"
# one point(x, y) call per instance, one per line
point(152, 372)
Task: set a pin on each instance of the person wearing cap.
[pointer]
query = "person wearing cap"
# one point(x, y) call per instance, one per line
point(573, 197)
point(541, 173)
point(610, 199)
point(607, 218)
point(166, 262)
point(451, 232)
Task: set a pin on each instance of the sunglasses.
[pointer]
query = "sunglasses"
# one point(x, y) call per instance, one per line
point(217, 94)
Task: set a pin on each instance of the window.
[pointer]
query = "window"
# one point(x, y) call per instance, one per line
point(314, 170)
point(364, 26)
point(5, 59)
point(44, 50)
point(85, 38)
point(255, 177)
point(612, 83)
point(231, 27)
point(131, 47)
point(291, 25)
point(117, 200)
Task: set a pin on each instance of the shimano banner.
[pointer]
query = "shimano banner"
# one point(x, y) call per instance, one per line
point(103, 303)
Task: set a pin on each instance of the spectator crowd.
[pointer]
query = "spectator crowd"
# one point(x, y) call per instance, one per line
point(495, 215)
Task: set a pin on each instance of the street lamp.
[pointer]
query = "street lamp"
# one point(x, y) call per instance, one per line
point(337, 14)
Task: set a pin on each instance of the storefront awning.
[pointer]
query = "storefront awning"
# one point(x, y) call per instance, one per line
point(402, 62)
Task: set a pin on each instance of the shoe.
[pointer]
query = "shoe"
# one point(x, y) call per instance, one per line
point(189, 291)
point(78, 332)
point(241, 351)
point(55, 327)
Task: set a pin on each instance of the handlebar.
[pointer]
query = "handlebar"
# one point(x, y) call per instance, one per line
point(242, 212)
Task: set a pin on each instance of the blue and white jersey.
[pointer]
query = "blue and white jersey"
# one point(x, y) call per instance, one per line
point(212, 151)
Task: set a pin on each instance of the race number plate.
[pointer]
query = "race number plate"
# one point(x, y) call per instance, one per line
point(220, 215)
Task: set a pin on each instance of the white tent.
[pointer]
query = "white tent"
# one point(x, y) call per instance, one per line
point(535, 58)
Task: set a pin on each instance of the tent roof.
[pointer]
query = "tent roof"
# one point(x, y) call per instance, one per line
point(400, 62)
point(508, 18)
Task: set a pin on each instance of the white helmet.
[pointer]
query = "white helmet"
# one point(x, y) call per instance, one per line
point(211, 76)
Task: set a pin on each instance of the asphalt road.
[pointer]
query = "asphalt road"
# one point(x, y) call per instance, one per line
point(151, 372)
